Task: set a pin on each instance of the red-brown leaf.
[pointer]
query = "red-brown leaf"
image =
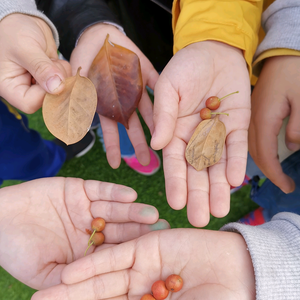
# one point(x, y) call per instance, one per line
point(116, 74)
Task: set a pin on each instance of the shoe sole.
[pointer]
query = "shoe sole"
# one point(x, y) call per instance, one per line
point(89, 147)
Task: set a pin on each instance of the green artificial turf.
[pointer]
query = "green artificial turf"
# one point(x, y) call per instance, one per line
point(150, 190)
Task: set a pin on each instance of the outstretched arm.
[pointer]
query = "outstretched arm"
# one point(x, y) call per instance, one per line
point(44, 224)
point(246, 263)
point(214, 43)
point(276, 93)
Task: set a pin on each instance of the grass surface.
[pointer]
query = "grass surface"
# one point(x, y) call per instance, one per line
point(150, 190)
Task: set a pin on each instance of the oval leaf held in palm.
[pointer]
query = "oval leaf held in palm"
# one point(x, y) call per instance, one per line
point(69, 115)
point(206, 144)
point(116, 74)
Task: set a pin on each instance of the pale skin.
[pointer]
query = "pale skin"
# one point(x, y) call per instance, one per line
point(83, 55)
point(43, 224)
point(195, 73)
point(29, 50)
point(275, 97)
point(212, 264)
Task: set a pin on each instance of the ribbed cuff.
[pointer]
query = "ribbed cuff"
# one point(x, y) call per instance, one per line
point(274, 249)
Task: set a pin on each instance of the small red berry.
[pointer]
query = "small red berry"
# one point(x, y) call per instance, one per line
point(147, 297)
point(205, 113)
point(159, 290)
point(213, 102)
point(98, 224)
point(98, 239)
point(174, 283)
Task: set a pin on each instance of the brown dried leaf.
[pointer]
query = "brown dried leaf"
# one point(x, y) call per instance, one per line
point(69, 115)
point(206, 144)
point(116, 74)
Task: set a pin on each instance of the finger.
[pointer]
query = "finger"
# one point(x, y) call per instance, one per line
point(165, 113)
point(146, 109)
point(198, 197)
point(237, 152)
point(120, 233)
point(22, 94)
point(293, 128)
point(116, 258)
point(175, 170)
point(98, 190)
point(152, 78)
point(236, 143)
point(137, 137)
point(124, 212)
point(99, 287)
point(267, 154)
point(45, 71)
point(146, 104)
point(111, 141)
point(219, 188)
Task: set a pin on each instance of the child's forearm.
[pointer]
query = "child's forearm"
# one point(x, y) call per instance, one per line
point(274, 249)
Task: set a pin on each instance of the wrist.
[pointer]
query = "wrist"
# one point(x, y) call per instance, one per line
point(100, 29)
point(222, 53)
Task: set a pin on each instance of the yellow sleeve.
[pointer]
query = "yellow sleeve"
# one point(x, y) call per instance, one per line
point(234, 22)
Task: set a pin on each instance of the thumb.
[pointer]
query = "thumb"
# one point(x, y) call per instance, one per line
point(48, 73)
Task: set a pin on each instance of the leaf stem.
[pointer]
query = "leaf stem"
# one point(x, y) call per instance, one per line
point(228, 95)
point(219, 113)
point(91, 236)
point(92, 243)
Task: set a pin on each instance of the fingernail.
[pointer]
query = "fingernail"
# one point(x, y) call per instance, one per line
point(160, 225)
point(126, 190)
point(53, 83)
point(293, 146)
point(148, 211)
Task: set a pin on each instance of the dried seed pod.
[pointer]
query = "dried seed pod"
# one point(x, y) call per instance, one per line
point(206, 144)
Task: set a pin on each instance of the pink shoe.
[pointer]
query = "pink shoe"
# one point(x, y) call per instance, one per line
point(245, 182)
point(152, 168)
point(254, 218)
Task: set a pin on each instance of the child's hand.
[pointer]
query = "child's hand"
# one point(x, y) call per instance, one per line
point(213, 265)
point(195, 73)
point(275, 96)
point(29, 50)
point(83, 55)
point(43, 224)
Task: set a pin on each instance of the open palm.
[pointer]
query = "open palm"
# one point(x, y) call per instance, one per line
point(83, 55)
point(195, 73)
point(212, 264)
point(43, 224)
